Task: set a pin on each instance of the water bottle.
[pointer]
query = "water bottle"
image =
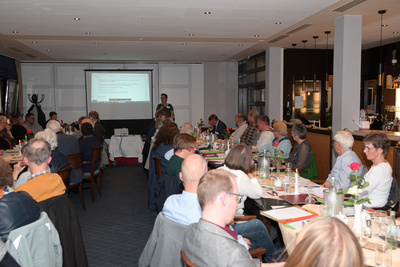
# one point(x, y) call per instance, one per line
point(264, 166)
point(391, 234)
point(331, 201)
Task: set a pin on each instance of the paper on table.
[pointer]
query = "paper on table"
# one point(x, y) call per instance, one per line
point(286, 213)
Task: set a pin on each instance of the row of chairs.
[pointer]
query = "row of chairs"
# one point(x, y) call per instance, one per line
point(94, 176)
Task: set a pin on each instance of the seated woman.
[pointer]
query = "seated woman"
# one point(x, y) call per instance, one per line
point(4, 142)
point(58, 160)
point(302, 152)
point(240, 163)
point(326, 241)
point(18, 129)
point(6, 132)
point(16, 208)
point(87, 144)
point(376, 146)
point(280, 133)
point(162, 150)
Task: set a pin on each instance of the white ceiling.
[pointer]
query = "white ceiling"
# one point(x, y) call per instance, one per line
point(159, 30)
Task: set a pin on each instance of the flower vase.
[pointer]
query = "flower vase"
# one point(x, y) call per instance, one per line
point(358, 225)
point(278, 169)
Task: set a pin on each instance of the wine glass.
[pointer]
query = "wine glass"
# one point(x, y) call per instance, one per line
point(310, 198)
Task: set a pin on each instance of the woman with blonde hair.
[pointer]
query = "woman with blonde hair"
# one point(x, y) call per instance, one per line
point(326, 242)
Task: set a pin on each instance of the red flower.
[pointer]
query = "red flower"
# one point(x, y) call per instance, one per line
point(355, 166)
point(29, 131)
point(227, 128)
point(276, 143)
point(209, 122)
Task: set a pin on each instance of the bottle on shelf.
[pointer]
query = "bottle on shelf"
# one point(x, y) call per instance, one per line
point(391, 234)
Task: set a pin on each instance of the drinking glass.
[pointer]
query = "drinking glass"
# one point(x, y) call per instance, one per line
point(383, 255)
point(363, 237)
point(310, 198)
point(288, 165)
point(286, 184)
point(323, 210)
point(381, 219)
point(255, 169)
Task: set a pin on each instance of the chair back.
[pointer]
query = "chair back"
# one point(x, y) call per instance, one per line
point(96, 158)
point(186, 260)
point(76, 160)
point(64, 173)
point(157, 163)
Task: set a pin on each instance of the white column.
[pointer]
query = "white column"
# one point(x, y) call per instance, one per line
point(274, 83)
point(346, 73)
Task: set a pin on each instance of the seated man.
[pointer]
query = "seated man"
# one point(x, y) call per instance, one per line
point(87, 144)
point(240, 120)
point(342, 144)
point(184, 146)
point(186, 128)
point(250, 134)
point(219, 126)
point(266, 135)
point(30, 123)
point(41, 184)
point(211, 242)
point(185, 209)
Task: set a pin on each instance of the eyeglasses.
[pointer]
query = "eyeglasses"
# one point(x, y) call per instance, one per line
point(239, 197)
point(367, 148)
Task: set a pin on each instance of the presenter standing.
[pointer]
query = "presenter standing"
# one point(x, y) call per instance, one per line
point(164, 106)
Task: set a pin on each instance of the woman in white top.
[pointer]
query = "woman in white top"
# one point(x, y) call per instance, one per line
point(376, 146)
point(240, 163)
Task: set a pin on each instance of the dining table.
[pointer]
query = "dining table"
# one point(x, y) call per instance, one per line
point(11, 156)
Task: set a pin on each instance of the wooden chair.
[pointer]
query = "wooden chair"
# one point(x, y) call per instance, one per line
point(186, 260)
point(95, 175)
point(157, 163)
point(64, 173)
point(76, 164)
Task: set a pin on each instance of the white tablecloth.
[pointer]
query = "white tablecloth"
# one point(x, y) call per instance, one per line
point(128, 147)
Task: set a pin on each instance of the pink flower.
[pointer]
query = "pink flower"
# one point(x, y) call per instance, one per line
point(209, 122)
point(276, 143)
point(355, 166)
point(29, 131)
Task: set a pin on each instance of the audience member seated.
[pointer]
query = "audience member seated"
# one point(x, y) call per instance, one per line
point(41, 184)
point(241, 124)
point(342, 144)
point(78, 134)
point(211, 242)
point(31, 123)
point(266, 136)
point(162, 150)
point(52, 116)
point(186, 128)
point(6, 132)
point(16, 208)
point(4, 142)
point(17, 128)
point(67, 144)
point(87, 144)
point(379, 176)
point(98, 130)
point(326, 241)
point(58, 160)
point(302, 152)
point(280, 133)
point(250, 134)
point(219, 126)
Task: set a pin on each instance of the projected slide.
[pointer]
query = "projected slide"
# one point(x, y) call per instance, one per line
point(120, 87)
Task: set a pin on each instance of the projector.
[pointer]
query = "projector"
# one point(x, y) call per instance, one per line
point(121, 132)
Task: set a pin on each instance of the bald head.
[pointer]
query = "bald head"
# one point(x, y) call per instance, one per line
point(193, 168)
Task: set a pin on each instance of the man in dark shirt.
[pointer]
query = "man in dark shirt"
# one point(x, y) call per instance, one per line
point(219, 126)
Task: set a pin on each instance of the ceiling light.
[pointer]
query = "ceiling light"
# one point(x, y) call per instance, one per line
point(240, 44)
point(256, 35)
point(278, 23)
point(384, 25)
point(77, 19)
point(87, 33)
point(207, 12)
point(96, 43)
point(140, 39)
point(15, 32)
point(33, 42)
point(184, 44)
point(395, 32)
point(179, 51)
point(48, 50)
point(191, 34)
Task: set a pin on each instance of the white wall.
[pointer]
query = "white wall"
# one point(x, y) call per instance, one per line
point(221, 91)
point(64, 87)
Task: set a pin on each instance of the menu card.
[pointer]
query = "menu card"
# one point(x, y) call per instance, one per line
point(287, 213)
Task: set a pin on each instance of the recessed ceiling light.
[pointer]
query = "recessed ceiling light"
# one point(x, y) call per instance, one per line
point(179, 51)
point(33, 42)
point(256, 35)
point(207, 12)
point(278, 23)
point(48, 50)
point(240, 44)
point(15, 32)
point(184, 44)
point(96, 43)
point(395, 32)
point(140, 39)
point(77, 19)
point(191, 34)
point(87, 33)
point(384, 25)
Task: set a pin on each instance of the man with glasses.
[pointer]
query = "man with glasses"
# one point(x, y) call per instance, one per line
point(342, 144)
point(211, 242)
point(32, 124)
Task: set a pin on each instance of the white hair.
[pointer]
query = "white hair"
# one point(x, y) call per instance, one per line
point(53, 125)
point(187, 128)
point(345, 139)
point(49, 136)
